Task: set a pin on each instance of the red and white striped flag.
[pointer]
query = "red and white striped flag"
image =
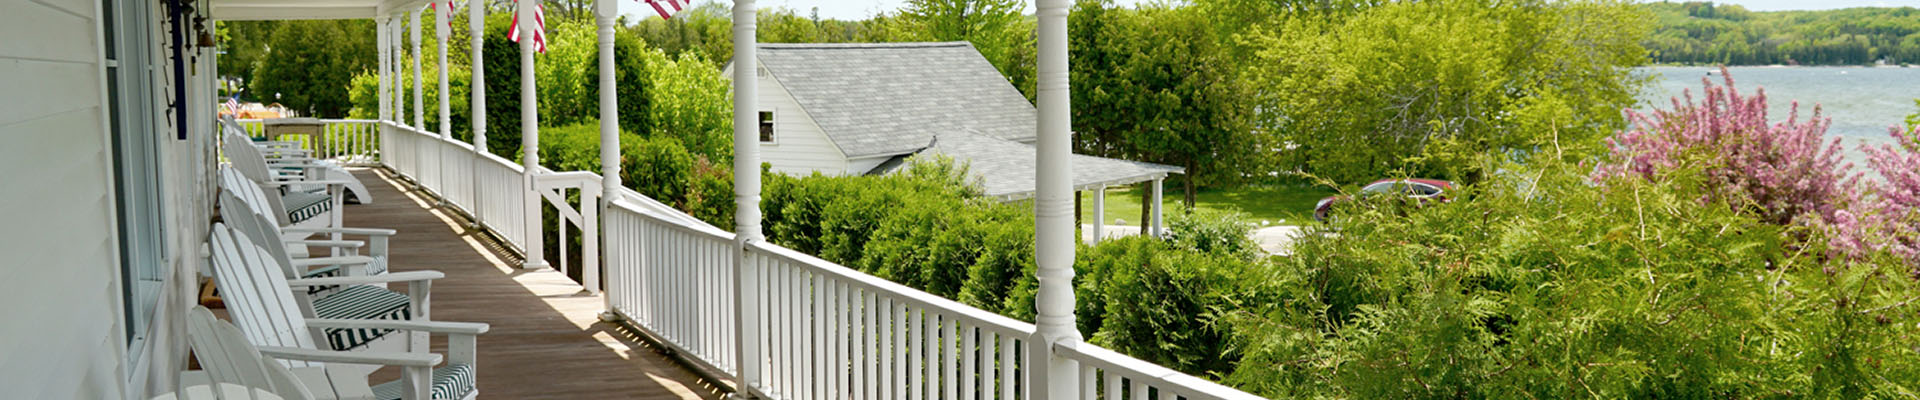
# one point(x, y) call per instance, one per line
point(444, 12)
point(539, 27)
point(677, 5)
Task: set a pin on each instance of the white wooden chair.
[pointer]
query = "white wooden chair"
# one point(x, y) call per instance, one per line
point(348, 261)
point(263, 303)
point(299, 208)
point(226, 355)
point(286, 163)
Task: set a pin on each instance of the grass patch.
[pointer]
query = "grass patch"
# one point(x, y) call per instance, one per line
point(1264, 205)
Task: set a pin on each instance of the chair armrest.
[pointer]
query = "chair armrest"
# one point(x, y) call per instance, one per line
point(352, 357)
point(329, 182)
point(345, 244)
point(343, 260)
point(344, 231)
point(446, 327)
point(389, 277)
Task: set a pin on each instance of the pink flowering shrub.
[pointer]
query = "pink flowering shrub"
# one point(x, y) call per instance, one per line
point(1888, 220)
point(1785, 172)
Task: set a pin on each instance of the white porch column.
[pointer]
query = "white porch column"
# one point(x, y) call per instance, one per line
point(380, 43)
point(1054, 377)
point(530, 145)
point(746, 194)
point(442, 31)
point(1159, 226)
point(398, 67)
point(476, 26)
point(1099, 212)
point(419, 91)
point(605, 12)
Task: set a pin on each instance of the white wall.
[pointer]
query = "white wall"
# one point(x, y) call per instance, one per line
point(62, 336)
point(799, 147)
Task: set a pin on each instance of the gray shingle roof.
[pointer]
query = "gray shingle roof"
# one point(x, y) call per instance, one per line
point(1006, 168)
point(876, 99)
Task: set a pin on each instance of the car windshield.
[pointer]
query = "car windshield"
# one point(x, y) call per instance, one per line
point(1379, 187)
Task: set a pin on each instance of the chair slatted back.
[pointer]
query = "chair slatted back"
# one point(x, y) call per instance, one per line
point(227, 357)
point(245, 157)
point(256, 293)
point(244, 218)
point(251, 193)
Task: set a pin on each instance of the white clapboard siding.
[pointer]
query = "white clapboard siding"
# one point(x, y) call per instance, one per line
point(57, 207)
point(799, 147)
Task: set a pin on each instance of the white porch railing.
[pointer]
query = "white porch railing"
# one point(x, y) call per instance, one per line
point(350, 141)
point(819, 330)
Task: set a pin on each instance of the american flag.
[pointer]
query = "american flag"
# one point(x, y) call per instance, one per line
point(539, 27)
point(664, 14)
point(444, 12)
point(232, 105)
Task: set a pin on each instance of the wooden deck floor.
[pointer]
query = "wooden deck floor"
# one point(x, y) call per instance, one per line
point(546, 341)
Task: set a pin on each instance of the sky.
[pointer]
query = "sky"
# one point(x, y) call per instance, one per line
point(861, 9)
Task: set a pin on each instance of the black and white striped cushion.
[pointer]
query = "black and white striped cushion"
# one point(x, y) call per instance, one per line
point(360, 302)
point(322, 272)
point(303, 205)
point(451, 382)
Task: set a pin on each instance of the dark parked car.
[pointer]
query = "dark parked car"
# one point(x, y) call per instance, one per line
point(1421, 191)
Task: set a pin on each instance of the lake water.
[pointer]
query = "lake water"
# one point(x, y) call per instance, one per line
point(1862, 101)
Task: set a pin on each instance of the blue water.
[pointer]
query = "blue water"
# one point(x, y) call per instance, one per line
point(1862, 101)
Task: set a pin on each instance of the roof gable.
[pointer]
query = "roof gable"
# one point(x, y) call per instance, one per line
point(878, 99)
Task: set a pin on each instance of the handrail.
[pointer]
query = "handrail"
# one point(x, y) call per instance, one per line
point(1145, 374)
point(900, 292)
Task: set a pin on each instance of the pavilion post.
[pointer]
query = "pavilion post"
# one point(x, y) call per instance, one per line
point(746, 195)
point(1099, 212)
point(530, 146)
point(1053, 377)
point(1159, 227)
point(476, 27)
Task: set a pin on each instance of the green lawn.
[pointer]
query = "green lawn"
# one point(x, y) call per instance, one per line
point(1265, 205)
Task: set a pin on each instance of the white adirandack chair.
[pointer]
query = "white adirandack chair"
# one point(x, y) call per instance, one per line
point(227, 356)
point(285, 162)
point(294, 203)
point(263, 303)
point(260, 228)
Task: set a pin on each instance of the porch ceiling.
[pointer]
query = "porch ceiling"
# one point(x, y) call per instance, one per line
point(258, 10)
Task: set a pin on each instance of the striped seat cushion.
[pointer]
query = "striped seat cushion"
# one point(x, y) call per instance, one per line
point(303, 205)
point(322, 272)
point(451, 382)
point(360, 302)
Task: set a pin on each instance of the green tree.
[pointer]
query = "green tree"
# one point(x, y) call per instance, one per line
point(307, 65)
point(1425, 88)
point(1154, 84)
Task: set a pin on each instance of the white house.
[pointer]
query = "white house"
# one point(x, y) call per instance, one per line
point(846, 108)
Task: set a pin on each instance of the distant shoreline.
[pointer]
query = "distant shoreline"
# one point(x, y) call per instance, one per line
point(1780, 65)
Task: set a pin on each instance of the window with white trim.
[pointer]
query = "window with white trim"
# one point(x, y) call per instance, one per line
point(766, 127)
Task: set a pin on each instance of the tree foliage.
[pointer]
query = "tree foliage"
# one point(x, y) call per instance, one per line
point(1423, 88)
point(1155, 84)
point(306, 65)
